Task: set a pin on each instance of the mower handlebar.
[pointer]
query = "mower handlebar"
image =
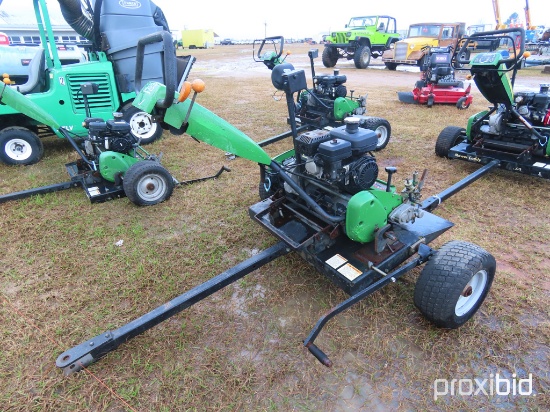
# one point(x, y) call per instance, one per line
point(272, 39)
point(491, 35)
point(169, 64)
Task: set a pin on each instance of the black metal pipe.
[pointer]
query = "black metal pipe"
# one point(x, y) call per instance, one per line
point(424, 253)
point(39, 191)
point(303, 195)
point(92, 350)
point(282, 136)
point(67, 136)
point(434, 201)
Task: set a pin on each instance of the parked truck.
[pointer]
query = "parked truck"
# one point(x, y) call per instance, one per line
point(421, 36)
point(197, 39)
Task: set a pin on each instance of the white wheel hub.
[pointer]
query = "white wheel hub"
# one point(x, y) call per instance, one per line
point(471, 293)
point(382, 134)
point(142, 125)
point(151, 187)
point(18, 149)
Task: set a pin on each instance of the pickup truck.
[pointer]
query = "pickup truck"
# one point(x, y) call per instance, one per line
point(412, 50)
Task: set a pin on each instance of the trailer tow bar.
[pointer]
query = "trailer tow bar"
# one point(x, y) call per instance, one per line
point(92, 350)
point(434, 201)
point(424, 253)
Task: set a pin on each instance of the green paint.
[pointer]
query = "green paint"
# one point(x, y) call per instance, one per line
point(344, 107)
point(203, 125)
point(367, 212)
point(114, 163)
point(19, 103)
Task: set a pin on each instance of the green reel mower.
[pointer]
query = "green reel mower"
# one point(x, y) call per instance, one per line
point(515, 131)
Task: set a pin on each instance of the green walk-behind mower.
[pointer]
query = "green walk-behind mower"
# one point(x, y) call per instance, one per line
point(516, 129)
point(112, 163)
point(327, 103)
point(327, 203)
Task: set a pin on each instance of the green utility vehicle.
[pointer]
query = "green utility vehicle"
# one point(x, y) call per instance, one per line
point(56, 88)
point(364, 37)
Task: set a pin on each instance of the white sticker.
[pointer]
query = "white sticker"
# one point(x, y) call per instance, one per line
point(336, 261)
point(94, 191)
point(350, 271)
point(62, 81)
point(539, 164)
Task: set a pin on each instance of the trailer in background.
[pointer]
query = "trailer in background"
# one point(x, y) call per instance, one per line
point(197, 39)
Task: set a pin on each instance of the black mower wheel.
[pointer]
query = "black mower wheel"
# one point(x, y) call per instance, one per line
point(329, 57)
point(391, 66)
point(20, 146)
point(454, 283)
point(141, 124)
point(448, 138)
point(147, 183)
point(461, 103)
point(361, 57)
point(381, 127)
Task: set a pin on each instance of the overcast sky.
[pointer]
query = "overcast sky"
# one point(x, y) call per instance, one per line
point(251, 19)
point(295, 18)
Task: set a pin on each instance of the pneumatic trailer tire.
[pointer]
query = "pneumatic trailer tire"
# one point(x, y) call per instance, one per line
point(448, 138)
point(361, 57)
point(454, 283)
point(141, 124)
point(20, 146)
point(147, 183)
point(381, 127)
point(330, 57)
point(391, 66)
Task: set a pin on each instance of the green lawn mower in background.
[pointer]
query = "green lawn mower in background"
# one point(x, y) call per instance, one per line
point(112, 163)
point(324, 200)
point(515, 131)
point(113, 29)
point(325, 105)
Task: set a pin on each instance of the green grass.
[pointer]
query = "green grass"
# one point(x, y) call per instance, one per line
point(64, 280)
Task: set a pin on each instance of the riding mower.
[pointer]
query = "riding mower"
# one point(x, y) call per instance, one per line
point(327, 104)
point(437, 82)
point(112, 163)
point(513, 132)
point(325, 201)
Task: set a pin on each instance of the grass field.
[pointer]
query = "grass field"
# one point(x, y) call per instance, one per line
point(64, 279)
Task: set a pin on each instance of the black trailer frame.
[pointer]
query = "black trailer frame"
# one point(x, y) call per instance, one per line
point(377, 270)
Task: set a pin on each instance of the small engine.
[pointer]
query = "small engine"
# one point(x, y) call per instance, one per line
point(439, 69)
point(114, 135)
point(339, 158)
point(535, 106)
point(317, 104)
point(330, 87)
point(503, 131)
